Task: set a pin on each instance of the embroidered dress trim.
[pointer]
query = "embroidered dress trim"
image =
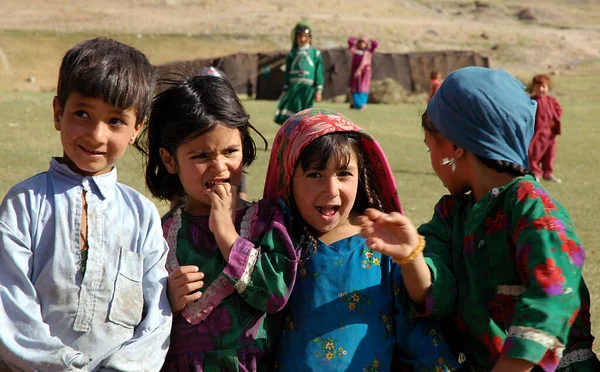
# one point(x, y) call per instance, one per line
point(576, 356)
point(548, 341)
point(245, 231)
point(242, 283)
point(511, 290)
point(302, 81)
point(220, 288)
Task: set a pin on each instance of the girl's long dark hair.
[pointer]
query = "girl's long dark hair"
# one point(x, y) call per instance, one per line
point(186, 110)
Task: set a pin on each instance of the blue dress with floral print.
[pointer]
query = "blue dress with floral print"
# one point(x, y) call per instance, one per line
point(348, 311)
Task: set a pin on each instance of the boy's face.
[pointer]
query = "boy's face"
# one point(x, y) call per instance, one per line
point(94, 134)
point(540, 90)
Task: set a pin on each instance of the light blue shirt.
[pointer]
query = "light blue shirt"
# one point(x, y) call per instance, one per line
point(54, 318)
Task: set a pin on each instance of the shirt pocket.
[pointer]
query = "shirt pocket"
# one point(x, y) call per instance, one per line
point(128, 301)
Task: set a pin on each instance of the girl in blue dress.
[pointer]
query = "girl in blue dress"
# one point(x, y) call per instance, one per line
point(347, 311)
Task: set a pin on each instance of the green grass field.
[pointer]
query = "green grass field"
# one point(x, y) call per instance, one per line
point(28, 141)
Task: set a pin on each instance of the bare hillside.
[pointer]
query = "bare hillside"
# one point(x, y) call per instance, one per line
point(561, 34)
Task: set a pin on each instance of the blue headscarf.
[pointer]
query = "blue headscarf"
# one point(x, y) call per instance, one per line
point(486, 112)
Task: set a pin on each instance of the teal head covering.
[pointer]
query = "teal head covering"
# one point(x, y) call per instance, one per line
point(486, 112)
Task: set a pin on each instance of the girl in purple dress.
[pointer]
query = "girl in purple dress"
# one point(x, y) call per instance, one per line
point(197, 142)
point(362, 50)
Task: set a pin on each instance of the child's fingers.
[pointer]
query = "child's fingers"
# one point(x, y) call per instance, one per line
point(189, 288)
point(191, 298)
point(373, 214)
point(182, 270)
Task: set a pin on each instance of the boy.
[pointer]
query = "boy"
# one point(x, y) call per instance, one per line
point(82, 284)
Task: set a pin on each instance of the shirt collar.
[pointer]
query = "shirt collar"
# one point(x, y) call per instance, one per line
point(104, 183)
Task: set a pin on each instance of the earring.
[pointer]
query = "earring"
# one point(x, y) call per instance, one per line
point(452, 162)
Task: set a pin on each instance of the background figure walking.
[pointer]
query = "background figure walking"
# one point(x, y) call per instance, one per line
point(360, 76)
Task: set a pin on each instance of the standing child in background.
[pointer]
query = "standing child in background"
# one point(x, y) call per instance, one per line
point(434, 84)
point(360, 73)
point(346, 312)
point(547, 127)
point(198, 140)
point(502, 261)
point(82, 284)
point(303, 81)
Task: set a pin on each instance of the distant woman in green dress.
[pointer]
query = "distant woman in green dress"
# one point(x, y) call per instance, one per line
point(303, 82)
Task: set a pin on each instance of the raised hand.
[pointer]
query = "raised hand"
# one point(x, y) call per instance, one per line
point(223, 198)
point(183, 287)
point(391, 234)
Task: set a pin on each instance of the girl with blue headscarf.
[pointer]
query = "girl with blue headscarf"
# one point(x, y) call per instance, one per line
point(499, 261)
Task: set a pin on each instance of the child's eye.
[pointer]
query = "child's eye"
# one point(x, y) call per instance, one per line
point(344, 174)
point(313, 175)
point(116, 121)
point(231, 151)
point(82, 114)
point(200, 156)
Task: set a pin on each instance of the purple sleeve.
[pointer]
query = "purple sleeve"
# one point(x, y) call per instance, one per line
point(263, 271)
point(374, 45)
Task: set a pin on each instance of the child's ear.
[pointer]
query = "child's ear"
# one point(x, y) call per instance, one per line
point(136, 132)
point(57, 110)
point(458, 152)
point(168, 160)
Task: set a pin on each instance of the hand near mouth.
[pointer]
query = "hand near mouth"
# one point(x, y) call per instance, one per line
point(223, 206)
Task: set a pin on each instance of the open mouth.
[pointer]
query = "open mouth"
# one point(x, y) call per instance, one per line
point(93, 152)
point(328, 210)
point(211, 184)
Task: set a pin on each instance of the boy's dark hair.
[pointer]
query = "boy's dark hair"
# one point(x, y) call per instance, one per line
point(501, 166)
point(339, 147)
point(187, 109)
point(120, 74)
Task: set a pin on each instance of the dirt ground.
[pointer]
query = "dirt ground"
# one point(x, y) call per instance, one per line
point(563, 34)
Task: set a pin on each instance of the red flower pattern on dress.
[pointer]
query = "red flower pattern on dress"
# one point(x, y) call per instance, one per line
point(574, 250)
point(548, 223)
point(526, 191)
point(495, 223)
point(549, 361)
point(521, 224)
point(550, 277)
point(493, 344)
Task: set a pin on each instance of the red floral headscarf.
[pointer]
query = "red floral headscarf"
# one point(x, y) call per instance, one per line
point(306, 126)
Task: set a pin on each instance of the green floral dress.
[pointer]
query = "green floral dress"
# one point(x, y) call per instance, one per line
point(507, 278)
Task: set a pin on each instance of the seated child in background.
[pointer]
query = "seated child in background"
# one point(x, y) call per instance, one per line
point(502, 261)
point(547, 126)
point(347, 310)
point(83, 282)
point(197, 143)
